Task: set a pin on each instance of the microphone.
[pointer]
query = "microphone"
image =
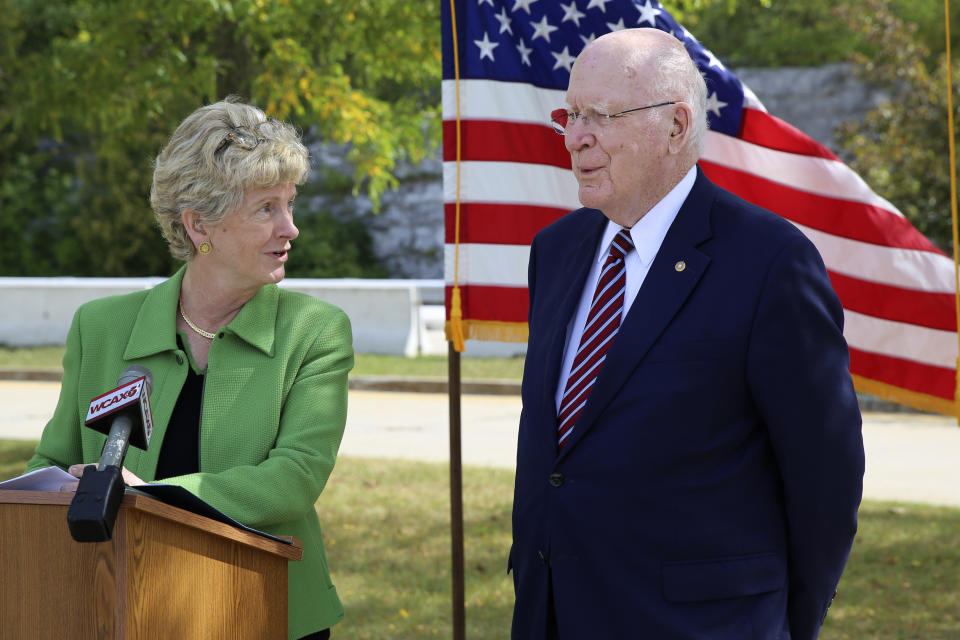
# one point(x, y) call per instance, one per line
point(93, 510)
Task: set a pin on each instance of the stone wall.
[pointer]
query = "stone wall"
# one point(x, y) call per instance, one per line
point(814, 99)
point(407, 232)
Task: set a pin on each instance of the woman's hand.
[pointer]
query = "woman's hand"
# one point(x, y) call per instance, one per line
point(76, 470)
point(130, 479)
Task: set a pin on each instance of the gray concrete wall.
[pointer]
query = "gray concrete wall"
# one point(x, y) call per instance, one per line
point(387, 315)
point(814, 99)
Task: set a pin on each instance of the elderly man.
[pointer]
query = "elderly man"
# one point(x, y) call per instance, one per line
point(690, 459)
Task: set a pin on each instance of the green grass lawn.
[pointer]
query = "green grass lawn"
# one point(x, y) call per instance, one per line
point(366, 364)
point(436, 367)
point(31, 357)
point(387, 530)
point(13, 457)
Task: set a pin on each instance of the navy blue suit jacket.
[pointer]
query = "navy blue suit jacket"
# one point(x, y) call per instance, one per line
point(710, 487)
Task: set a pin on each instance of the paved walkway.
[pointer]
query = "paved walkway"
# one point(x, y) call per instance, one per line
point(910, 457)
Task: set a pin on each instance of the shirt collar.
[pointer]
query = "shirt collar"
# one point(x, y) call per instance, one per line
point(648, 233)
point(154, 330)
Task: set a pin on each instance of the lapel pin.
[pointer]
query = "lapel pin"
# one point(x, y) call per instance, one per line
point(680, 266)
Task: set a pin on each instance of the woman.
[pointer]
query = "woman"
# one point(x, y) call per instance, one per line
point(250, 381)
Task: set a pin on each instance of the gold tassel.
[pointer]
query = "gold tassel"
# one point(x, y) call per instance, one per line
point(455, 333)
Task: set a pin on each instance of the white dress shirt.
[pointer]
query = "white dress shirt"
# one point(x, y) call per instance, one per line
point(647, 235)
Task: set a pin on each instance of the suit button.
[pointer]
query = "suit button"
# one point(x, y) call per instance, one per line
point(542, 558)
point(556, 479)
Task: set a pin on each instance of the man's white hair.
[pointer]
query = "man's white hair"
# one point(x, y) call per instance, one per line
point(675, 77)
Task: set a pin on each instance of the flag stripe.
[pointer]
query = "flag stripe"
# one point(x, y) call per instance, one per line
point(905, 268)
point(493, 303)
point(898, 340)
point(481, 222)
point(511, 182)
point(815, 175)
point(845, 218)
point(760, 128)
point(922, 308)
point(501, 101)
point(903, 373)
point(490, 264)
point(497, 141)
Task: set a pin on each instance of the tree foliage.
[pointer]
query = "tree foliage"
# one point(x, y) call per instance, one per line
point(901, 147)
point(759, 33)
point(682, 9)
point(90, 91)
point(773, 34)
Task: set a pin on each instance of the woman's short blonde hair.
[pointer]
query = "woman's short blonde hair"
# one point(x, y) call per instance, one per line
point(205, 168)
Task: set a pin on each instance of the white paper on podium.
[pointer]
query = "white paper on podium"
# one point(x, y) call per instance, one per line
point(47, 479)
point(52, 478)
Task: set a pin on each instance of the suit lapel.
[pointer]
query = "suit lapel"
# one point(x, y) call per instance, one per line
point(674, 274)
point(153, 344)
point(571, 271)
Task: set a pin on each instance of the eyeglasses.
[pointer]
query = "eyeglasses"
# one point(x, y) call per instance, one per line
point(243, 136)
point(561, 119)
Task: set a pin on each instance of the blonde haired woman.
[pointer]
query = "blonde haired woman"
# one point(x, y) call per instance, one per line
point(250, 380)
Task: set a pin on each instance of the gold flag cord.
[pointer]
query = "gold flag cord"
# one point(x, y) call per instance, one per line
point(455, 333)
point(953, 199)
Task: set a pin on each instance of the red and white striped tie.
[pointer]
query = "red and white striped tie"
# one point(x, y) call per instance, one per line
point(603, 321)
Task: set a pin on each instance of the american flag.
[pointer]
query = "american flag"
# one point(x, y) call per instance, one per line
point(514, 59)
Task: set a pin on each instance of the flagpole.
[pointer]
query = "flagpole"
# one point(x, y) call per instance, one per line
point(953, 201)
point(456, 494)
point(455, 345)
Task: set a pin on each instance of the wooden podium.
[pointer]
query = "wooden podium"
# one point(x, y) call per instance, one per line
point(167, 573)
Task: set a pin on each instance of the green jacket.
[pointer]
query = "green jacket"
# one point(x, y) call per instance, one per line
point(273, 413)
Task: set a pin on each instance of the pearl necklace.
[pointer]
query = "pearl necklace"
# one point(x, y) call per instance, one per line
point(205, 334)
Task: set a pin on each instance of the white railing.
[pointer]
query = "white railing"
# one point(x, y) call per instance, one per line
point(397, 317)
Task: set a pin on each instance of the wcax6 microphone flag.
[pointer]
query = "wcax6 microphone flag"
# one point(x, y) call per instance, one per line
point(93, 510)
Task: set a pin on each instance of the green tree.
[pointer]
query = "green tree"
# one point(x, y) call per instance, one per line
point(901, 147)
point(93, 90)
point(772, 34)
point(684, 9)
point(758, 33)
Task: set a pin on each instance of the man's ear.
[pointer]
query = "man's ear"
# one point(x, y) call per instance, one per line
point(680, 127)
